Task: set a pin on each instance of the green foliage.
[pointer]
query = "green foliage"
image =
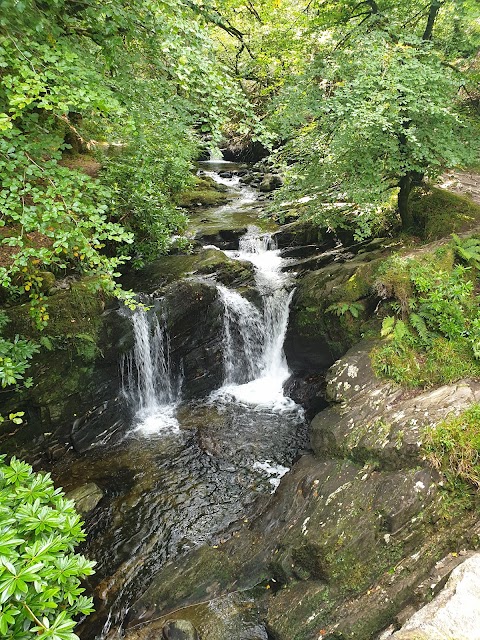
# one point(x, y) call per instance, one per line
point(453, 446)
point(40, 592)
point(434, 336)
point(14, 357)
point(342, 308)
point(374, 111)
point(467, 249)
point(78, 77)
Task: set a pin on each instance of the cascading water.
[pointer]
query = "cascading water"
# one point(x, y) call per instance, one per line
point(147, 380)
point(256, 374)
point(243, 337)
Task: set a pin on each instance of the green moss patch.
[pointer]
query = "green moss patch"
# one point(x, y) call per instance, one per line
point(453, 446)
point(205, 193)
point(74, 319)
point(438, 213)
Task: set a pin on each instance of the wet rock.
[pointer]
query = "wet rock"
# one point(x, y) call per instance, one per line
point(195, 326)
point(179, 630)
point(454, 613)
point(373, 419)
point(307, 390)
point(233, 617)
point(270, 182)
point(157, 276)
point(329, 312)
point(244, 151)
point(304, 233)
point(85, 497)
point(332, 528)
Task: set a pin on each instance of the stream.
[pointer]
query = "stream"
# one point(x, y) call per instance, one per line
point(185, 471)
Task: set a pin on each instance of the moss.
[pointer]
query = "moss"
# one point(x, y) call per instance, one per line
point(438, 213)
point(74, 319)
point(206, 193)
point(445, 362)
point(452, 446)
point(203, 198)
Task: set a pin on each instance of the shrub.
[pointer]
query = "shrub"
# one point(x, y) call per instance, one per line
point(433, 336)
point(40, 590)
point(453, 446)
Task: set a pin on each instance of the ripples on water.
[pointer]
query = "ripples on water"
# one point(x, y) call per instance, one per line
point(186, 472)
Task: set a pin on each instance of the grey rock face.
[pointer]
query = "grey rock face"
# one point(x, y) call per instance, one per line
point(372, 418)
point(453, 614)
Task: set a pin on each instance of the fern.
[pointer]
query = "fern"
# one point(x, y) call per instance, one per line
point(418, 323)
point(468, 250)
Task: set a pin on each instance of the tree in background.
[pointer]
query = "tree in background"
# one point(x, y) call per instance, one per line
point(75, 77)
point(379, 106)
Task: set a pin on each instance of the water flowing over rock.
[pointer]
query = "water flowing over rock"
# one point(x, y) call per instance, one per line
point(261, 381)
point(148, 380)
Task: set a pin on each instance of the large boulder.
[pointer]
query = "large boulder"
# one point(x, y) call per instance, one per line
point(374, 419)
point(454, 613)
point(85, 497)
point(195, 326)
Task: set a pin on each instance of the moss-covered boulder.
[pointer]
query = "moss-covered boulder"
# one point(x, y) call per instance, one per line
point(372, 419)
point(205, 193)
point(438, 213)
point(76, 373)
point(329, 312)
point(155, 277)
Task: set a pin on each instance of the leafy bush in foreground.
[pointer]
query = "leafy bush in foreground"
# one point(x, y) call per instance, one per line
point(40, 590)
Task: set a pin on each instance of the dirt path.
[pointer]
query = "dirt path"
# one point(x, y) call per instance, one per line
point(465, 183)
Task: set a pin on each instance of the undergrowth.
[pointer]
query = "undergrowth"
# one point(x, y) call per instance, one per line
point(453, 446)
point(432, 335)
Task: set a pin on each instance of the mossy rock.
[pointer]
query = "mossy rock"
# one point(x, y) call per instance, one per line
point(202, 198)
point(331, 309)
point(161, 273)
point(438, 213)
point(205, 193)
point(72, 312)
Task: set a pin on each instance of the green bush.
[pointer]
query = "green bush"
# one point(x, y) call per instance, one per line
point(40, 575)
point(453, 446)
point(433, 335)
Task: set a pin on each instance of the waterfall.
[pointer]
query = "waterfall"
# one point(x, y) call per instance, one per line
point(215, 155)
point(255, 364)
point(243, 337)
point(147, 380)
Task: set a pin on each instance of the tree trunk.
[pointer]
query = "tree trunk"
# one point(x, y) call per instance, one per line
point(432, 16)
point(405, 185)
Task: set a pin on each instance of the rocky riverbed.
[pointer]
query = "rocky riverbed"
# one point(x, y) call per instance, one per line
point(215, 510)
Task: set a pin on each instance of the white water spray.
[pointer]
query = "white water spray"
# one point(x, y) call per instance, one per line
point(148, 382)
point(256, 375)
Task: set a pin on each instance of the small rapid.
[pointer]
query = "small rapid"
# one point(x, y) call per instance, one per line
point(188, 468)
point(256, 374)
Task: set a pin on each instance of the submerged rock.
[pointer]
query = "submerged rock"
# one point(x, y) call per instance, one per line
point(85, 497)
point(179, 630)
